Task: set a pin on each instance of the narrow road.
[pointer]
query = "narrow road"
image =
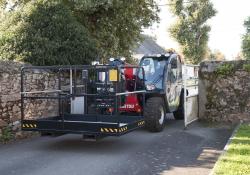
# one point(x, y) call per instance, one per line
point(173, 151)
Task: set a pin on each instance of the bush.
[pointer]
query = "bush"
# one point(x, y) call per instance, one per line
point(7, 134)
point(45, 33)
point(246, 67)
point(225, 70)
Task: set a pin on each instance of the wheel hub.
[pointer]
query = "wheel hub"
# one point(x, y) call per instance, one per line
point(161, 120)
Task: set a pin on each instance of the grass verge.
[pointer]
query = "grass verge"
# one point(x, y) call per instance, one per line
point(236, 161)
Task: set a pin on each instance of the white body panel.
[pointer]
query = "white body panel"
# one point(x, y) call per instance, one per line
point(77, 105)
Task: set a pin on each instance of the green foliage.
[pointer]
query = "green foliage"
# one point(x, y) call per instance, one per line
point(191, 29)
point(225, 70)
point(246, 40)
point(45, 33)
point(114, 25)
point(7, 134)
point(246, 67)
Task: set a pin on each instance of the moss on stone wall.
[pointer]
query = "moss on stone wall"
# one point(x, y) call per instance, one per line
point(225, 70)
point(246, 67)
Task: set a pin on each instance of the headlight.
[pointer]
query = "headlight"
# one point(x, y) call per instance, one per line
point(150, 87)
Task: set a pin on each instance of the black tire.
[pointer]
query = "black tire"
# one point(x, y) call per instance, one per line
point(179, 114)
point(155, 114)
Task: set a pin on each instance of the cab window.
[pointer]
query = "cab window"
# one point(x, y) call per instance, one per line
point(173, 73)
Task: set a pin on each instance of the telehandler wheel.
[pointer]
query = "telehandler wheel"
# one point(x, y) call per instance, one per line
point(155, 114)
point(179, 114)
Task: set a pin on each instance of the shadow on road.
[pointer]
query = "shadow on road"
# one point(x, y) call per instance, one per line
point(173, 151)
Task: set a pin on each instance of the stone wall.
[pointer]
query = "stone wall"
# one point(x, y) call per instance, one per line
point(10, 98)
point(224, 91)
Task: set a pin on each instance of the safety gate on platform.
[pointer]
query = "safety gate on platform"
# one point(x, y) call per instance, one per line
point(191, 87)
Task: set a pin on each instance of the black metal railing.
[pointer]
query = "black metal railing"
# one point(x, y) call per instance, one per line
point(70, 78)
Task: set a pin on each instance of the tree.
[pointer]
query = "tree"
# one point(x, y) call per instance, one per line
point(215, 55)
point(115, 25)
point(239, 56)
point(191, 29)
point(246, 40)
point(45, 33)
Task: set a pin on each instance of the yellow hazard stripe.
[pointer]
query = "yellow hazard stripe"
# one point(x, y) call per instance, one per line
point(109, 130)
point(141, 123)
point(123, 129)
point(29, 125)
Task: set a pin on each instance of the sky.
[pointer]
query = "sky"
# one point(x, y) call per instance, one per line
point(226, 27)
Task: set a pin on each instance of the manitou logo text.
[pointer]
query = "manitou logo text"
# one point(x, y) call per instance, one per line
point(128, 106)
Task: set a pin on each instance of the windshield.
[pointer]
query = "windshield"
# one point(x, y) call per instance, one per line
point(153, 68)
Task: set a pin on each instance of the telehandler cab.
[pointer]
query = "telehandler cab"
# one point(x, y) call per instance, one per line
point(107, 100)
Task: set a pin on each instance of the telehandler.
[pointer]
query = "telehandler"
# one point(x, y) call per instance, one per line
point(108, 100)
